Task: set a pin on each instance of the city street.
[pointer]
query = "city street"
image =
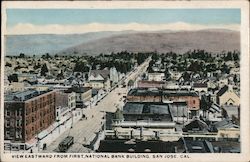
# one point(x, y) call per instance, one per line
point(84, 130)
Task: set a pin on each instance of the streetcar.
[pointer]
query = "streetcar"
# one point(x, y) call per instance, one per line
point(66, 143)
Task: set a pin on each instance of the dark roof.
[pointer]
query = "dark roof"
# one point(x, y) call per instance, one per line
point(226, 123)
point(144, 92)
point(94, 92)
point(196, 126)
point(157, 92)
point(227, 147)
point(151, 82)
point(178, 109)
point(180, 93)
point(145, 108)
point(24, 95)
point(200, 85)
point(104, 73)
point(138, 146)
point(78, 89)
point(199, 146)
point(222, 90)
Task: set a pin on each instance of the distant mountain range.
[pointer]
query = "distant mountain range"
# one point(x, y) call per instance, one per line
point(107, 42)
point(39, 44)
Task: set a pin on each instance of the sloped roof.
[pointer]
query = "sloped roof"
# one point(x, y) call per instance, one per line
point(104, 73)
point(222, 90)
point(199, 146)
point(226, 123)
point(79, 89)
point(200, 85)
point(178, 109)
point(145, 108)
point(144, 92)
point(196, 125)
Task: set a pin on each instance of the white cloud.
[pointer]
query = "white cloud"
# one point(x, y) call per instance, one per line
point(25, 28)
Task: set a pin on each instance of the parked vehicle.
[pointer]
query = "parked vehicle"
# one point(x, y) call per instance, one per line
point(66, 143)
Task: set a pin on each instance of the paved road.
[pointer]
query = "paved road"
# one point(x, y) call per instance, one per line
point(84, 130)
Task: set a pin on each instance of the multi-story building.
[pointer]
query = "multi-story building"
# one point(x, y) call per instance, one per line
point(65, 103)
point(150, 84)
point(144, 95)
point(156, 76)
point(26, 114)
point(156, 95)
point(83, 95)
point(226, 96)
point(192, 99)
point(99, 79)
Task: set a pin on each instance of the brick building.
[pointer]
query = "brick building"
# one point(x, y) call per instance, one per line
point(192, 99)
point(28, 113)
point(150, 84)
point(155, 95)
point(144, 95)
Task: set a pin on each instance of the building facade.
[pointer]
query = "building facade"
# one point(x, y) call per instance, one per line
point(28, 113)
point(155, 95)
point(156, 76)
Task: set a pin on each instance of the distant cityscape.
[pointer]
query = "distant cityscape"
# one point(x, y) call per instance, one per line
point(123, 102)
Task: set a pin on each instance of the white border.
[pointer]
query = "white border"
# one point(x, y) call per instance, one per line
point(243, 5)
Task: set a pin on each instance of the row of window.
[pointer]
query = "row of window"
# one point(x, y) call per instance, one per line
point(34, 119)
point(34, 108)
point(18, 123)
point(18, 134)
point(17, 112)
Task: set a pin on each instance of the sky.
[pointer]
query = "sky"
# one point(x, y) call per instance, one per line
point(68, 21)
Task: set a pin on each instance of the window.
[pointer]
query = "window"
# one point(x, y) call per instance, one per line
point(193, 101)
point(7, 123)
point(20, 112)
point(17, 123)
point(7, 112)
point(17, 134)
point(7, 134)
point(20, 122)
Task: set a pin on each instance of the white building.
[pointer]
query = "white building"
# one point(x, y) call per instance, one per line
point(156, 76)
point(114, 77)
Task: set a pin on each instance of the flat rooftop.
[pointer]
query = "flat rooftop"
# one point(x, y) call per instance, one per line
point(24, 95)
point(147, 108)
point(157, 92)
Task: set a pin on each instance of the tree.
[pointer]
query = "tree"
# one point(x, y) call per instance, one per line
point(86, 76)
point(46, 56)
point(44, 70)
point(60, 76)
point(186, 76)
point(235, 78)
point(13, 78)
point(81, 67)
point(205, 104)
point(167, 74)
point(8, 64)
point(130, 83)
point(22, 55)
